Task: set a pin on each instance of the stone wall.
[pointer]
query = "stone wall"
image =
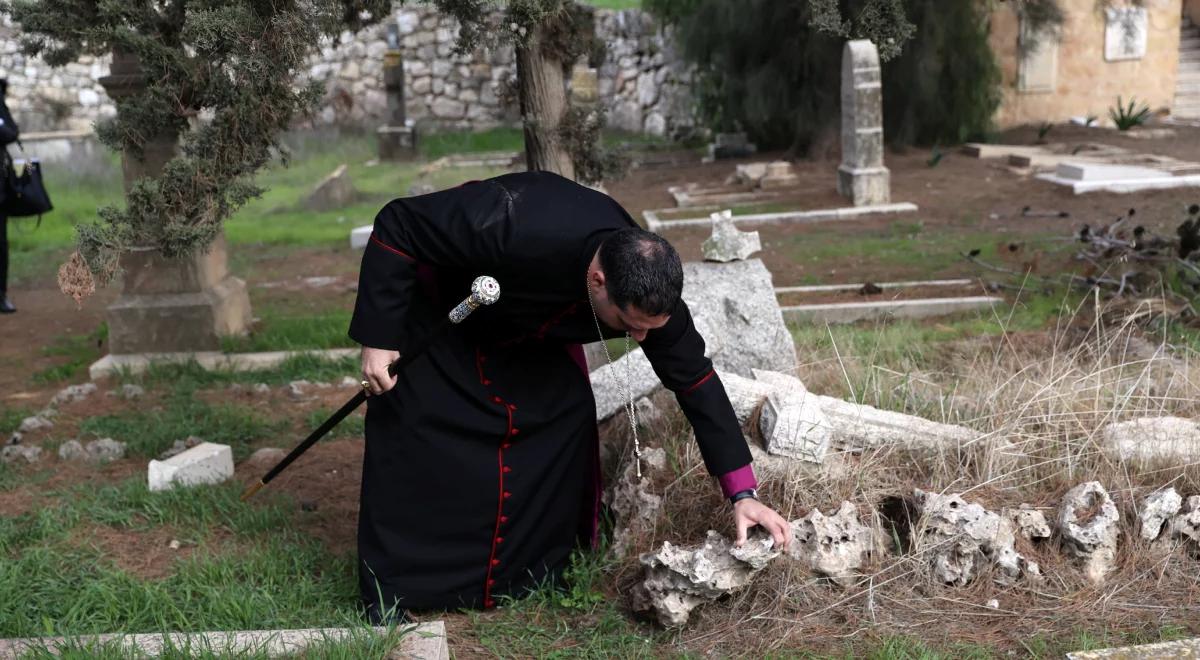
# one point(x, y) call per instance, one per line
point(1072, 77)
point(641, 80)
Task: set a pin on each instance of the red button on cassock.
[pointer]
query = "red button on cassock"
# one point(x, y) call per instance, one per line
point(495, 399)
point(507, 494)
point(514, 431)
point(503, 519)
point(489, 603)
point(511, 407)
point(491, 582)
point(499, 539)
point(507, 469)
point(495, 562)
point(506, 445)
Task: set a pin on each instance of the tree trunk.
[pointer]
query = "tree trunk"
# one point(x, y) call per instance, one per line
point(543, 95)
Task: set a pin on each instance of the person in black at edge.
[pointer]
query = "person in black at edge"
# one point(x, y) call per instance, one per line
point(8, 135)
point(481, 474)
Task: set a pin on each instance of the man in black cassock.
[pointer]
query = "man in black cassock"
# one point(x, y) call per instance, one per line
point(481, 469)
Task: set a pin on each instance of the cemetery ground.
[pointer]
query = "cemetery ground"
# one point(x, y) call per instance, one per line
point(86, 548)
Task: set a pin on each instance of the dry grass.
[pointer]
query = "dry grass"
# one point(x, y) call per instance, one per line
point(1039, 402)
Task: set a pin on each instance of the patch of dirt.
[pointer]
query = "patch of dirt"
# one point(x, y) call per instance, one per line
point(883, 295)
point(326, 478)
point(146, 554)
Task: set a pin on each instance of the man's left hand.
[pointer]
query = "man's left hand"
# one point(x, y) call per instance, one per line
point(749, 512)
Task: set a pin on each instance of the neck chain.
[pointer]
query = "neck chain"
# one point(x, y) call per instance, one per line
point(625, 387)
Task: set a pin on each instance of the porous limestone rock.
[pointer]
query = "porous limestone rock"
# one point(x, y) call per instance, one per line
point(96, 451)
point(1030, 523)
point(833, 546)
point(633, 504)
point(35, 423)
point(1185, 526)
point(1087, 520)
point(14, 453)
point(73, 393)
point(963, 538)
point(728, 243)
point(1158, 508)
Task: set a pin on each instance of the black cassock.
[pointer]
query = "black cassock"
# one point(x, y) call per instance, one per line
point(480, 475)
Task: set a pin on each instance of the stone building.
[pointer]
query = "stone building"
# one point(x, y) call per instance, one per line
point(1149, 50)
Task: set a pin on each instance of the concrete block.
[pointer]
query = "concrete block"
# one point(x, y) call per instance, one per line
point(206, 463)
point(1079, 171)
point(360, 236)
point(1183, 648)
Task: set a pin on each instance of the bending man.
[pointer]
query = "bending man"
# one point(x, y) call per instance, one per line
point(481, 469)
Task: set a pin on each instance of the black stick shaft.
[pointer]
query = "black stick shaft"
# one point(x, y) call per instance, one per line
point(345, 410)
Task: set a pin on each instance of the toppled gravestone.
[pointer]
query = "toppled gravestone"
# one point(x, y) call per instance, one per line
point(633, 505)
point(1173, 439)
point(333, 192)
point(206, 463)
point(1157, 509)
point(1087, 520)
point(734, 308)
point(851, 426)
point(728, 243)
point(791, 422)
point(678, 580)
point(964, 538)
point(834, 546)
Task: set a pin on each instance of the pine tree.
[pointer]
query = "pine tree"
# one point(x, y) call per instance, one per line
point(220, 77)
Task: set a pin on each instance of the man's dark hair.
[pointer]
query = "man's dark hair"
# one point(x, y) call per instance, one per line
point(642, 269)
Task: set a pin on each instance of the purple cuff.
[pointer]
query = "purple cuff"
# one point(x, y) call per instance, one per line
point(738, 480)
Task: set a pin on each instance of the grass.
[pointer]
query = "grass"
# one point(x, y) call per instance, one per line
point(147, 433)
point(287, 332)
point(79, 350)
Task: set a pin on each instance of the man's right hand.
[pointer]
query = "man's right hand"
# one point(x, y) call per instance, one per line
point(375, 363)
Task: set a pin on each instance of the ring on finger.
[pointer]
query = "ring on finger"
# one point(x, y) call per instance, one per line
point(366, 385)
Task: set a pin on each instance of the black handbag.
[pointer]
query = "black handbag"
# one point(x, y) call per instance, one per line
point(25, 193)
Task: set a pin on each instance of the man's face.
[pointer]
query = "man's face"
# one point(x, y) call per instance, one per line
point(630, 319)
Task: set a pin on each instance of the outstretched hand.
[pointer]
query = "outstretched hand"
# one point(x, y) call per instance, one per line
point(749, 512)
point(375, 362)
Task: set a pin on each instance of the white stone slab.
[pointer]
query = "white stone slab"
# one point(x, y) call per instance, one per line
point(1125, 33)
point(211, 360)
point(1164, 182)
point(787, 217)
point(425, 641)
point(360, 236)
point(1083, 171)
point(206, 463)
point(1183, 648)
point(791, 422)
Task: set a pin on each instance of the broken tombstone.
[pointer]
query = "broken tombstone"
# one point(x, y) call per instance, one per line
point(779, 174)
point(834, 546)
point(791, 422)
point(728, 243)
point(206, 463)
point(1173, 439)
point(734, 308)
point(333, 192)
point(1087, 521)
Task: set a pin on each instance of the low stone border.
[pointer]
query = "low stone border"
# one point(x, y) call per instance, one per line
point(212, 360)
point(425, 641)
point(906, 309)
point(1184, 648)
point(787, 217)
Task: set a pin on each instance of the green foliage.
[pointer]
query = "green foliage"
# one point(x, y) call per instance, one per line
point(238, 60)
point(1127, 116)
point(774, 69)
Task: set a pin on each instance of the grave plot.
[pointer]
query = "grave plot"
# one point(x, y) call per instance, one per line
point(847, 303)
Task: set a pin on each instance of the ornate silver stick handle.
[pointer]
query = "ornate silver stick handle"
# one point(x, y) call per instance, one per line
point(484, 291)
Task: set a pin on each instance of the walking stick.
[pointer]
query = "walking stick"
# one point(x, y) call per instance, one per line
point(484, 291)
